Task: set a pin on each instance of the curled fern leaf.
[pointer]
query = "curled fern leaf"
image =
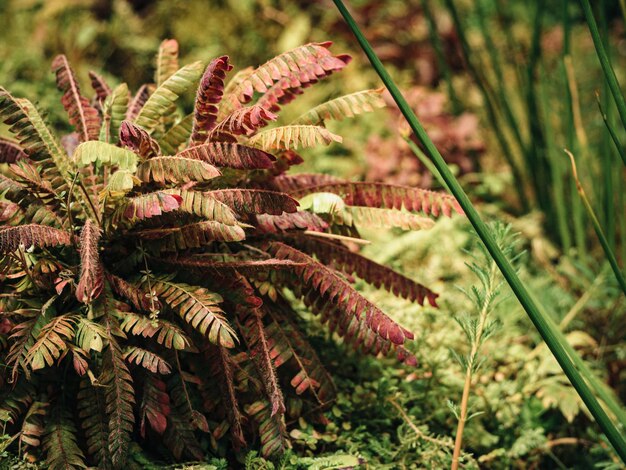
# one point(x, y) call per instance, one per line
point(81, 114)
point(346, 106)
point(192, 235)
point(150, 205)
point(230, 155)
point(100, 86)
point(139, 298)
point(166, 95)
point(176, 170)
point(300, 220)
point(31, 235)
point(138, 101)
point(244, 121)
point(91, 272)
point(293, 137)
point(138, 140)
point(210, 92)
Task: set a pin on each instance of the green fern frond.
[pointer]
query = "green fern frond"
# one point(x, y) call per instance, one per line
point(346, 106)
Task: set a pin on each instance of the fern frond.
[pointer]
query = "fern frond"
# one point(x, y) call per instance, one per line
point(230, 155)
point(340, 258)
point(105, 154)
point(139, 298)
point(385, 218)
point(166, 61)
point(176, 170)
point(15, 400)
point(204, 205)
point(29, 235)
point(147, 359)
point(346, 106)
point(138, 140)
point(192, 235)
point(94, 422)
point(10, 152)
point(341, 293)
point(119, 399)
point(91, 272)
point(293, 137)
point(23, 336)
point(150, 205)
point(295, 183)
point(59, 444)
point(82, 115)
point(139, 100)
point(256, 201)
point(155, 405)
point(179, 435)
point(176, 135)
point(51, 342)
point(248, 267)
point(160, 102)
point(100, 86)
point(167, 334)
point(388, 196)
point(272, 431)
point(289, 64)
point(116, 106)
point(244, 121)
point(289, 344)
point(32, 426)
point(255, 337)
point(209, 95)
point(89, 335)
point(198, 307)
point(300, 220)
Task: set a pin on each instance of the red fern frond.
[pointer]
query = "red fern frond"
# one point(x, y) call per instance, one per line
point(339, 257)
point(230, 155)
point(139, 298)
point(81, 114)
point(179, 435)
point(100, 86)
point(298, 183)
point(209, 95)
point(256, 201)
point(340, 292)
point(176, 170)
point(134, 138)
point(388, 196)
point(204, 205)
point(300, 220)
point(155, 405)
point(272, 431)
point(59, 443)
point(166, 61)
point(138, 101)
point(10, 152)
point(91, 272)
point(150, 205)
point(32, 235)
point(248, 267)
point(244, 121)
point(255, 337)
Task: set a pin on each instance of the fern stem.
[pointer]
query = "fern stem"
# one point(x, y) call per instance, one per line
point(335, 236)
point(597, 227)
point(546, 328)
point(605, 62)
point(471, 363)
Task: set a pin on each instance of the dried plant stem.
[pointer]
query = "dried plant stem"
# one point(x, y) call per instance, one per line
point(416, 430)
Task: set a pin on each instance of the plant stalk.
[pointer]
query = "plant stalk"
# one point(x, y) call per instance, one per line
point(543, 325)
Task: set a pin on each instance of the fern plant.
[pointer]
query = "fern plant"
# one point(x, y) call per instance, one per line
point(151, 262)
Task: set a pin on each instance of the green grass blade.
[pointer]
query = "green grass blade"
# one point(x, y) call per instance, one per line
point(605, 62)
point(546, 328)
point(598, 228)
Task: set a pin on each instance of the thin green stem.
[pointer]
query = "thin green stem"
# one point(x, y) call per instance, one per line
point(426, 161)
point(545, 327)
point(605, 62)
point(597, 227)
point(612, 133)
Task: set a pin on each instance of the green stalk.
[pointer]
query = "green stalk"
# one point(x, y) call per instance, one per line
point(597, 227)
point(426, 161)
point(483, 87)
point(612, 133)
point(546, 328)
point(442, 64)
point(605, 62)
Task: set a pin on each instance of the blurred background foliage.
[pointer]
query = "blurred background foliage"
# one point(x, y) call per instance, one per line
point(528, 414)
